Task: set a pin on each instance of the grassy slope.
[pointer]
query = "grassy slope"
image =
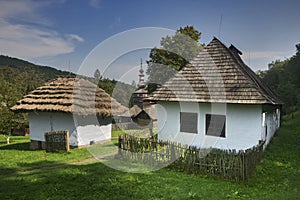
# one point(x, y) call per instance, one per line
point(36, 175)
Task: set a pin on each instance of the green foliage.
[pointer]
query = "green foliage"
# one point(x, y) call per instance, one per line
point(118, 90)
point(42, 73)
point(283, 78)
point(107, 85)
point(9, 94)
point(97, 75)
point(175, 52)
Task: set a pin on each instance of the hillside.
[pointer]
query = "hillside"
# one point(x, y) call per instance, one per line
point(27, 76)
point(44, 73)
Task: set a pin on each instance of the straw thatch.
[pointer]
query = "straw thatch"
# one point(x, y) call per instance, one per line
point(217, 75)
point(71, 95)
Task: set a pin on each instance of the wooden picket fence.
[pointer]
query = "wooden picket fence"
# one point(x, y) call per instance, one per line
point(228, 164)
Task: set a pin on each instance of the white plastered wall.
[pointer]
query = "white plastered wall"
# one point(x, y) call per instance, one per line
point(41, 122)
point(243, 124)
point(84, 134)
point(270, 124)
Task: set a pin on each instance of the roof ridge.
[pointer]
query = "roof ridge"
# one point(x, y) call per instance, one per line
point(216, 74)
point(263, 89)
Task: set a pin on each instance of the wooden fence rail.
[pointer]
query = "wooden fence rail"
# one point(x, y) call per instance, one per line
point(228, 164)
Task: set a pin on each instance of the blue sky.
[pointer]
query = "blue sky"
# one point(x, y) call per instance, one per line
point(59, 32)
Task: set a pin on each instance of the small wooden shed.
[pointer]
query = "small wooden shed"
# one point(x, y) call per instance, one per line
point(143, 116)
point(72, 104)
point(217, 101)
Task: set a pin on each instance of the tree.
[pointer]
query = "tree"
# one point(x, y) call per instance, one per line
point(175, 52)
point(9, 94)
point(298, 48)
point(97, 75)
point(283, 78)
point(133, 83)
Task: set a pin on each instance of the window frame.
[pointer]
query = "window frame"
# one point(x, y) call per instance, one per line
point(213, 132)
point(185, 123)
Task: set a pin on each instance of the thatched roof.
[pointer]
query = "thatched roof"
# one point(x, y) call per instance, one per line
point(72, 95)
point(217, 75)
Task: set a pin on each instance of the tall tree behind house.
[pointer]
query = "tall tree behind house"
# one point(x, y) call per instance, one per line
point(283, 78)
point(175, 52)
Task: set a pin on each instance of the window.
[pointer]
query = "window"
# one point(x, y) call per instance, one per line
point(188, 122)
point(215, 125)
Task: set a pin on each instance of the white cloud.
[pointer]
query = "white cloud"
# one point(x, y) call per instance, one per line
point(75, 37)
point(264, 54)
point(95, 3)
point(26, 11)
point(31, 40)
point(116, 22)
point(28, 42)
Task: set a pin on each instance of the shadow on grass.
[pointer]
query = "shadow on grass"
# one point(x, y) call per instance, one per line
point(24, 146)
point(40, 166)
point(29, 168)
point(5, 171)
point(55, 180)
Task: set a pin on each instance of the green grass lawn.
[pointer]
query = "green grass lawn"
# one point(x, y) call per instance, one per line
point(26, 174)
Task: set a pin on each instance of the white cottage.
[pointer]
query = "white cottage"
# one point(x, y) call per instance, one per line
point(72, 104)
point(217, 101)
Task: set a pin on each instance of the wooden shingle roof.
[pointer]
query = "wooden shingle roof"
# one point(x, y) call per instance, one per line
point(71, 95)
point(217, 75)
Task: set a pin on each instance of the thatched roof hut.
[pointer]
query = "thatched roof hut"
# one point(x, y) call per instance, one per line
point(70, 95)
point(72, 104)
point(217, 75)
